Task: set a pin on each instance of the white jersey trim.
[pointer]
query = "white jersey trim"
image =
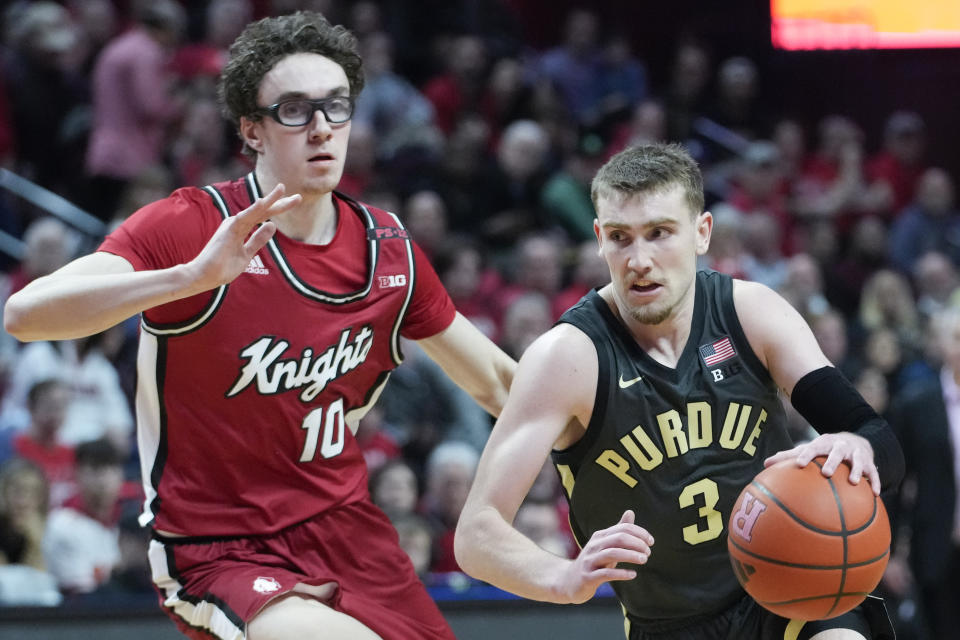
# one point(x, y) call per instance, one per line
point(213, 305)
point(202, 614)
point(411, 267)
point(303, 287)
point(148, 421)
point(355, 415)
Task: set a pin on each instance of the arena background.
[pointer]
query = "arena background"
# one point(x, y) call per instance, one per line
point(867, 85)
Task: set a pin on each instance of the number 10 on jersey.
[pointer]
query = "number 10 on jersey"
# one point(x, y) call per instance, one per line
point(328, 421)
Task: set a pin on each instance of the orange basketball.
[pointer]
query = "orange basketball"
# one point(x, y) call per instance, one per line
point(806, 546)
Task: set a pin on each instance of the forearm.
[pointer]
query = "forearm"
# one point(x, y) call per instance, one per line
point(887, 453)
point(493, 395)
point(64, 306)
point(490, 549)
point(473, 362)
point(831, 404)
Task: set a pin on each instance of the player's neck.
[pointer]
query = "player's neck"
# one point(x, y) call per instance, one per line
point(664, 341)
point(314, 221)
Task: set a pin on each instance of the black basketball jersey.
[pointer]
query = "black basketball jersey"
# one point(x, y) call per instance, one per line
point(675, 445)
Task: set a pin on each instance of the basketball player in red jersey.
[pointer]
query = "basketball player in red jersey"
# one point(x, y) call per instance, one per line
point(272, 309)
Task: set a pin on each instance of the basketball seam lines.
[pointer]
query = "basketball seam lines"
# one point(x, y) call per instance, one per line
point(810, 598)
point(800, 565)
point(846, 542)
point(807, 525)
point(844, 532)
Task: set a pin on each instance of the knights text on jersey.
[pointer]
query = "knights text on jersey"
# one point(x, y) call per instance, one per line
point(247, 409)
point(676, 446)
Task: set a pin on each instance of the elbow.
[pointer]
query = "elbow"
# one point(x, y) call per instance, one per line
point(14, 321)
point(462, 546)
point(465, 545)
point(20, 320)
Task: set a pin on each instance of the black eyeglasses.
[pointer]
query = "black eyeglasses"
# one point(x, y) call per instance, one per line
point(296, 113)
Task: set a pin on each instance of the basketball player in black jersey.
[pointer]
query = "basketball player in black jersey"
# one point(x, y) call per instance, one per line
point(657, 397)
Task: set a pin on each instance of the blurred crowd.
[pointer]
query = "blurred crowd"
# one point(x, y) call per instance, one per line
point(485, 147)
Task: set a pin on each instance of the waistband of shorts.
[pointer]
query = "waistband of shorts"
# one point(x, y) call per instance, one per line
point(177, 539)
point(159, 537)
point(663, 625)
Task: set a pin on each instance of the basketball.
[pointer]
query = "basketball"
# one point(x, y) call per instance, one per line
point(807, 546)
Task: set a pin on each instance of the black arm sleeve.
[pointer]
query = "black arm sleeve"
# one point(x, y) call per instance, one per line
point(827, 400)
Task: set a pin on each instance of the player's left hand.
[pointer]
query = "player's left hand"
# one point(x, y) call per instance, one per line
point(838, 448)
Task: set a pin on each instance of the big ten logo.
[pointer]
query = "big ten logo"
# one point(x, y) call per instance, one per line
point(386, 233)
point(387, 282)
point(726, 371)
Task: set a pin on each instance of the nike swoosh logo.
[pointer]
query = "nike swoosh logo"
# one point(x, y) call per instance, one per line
point(626, 383)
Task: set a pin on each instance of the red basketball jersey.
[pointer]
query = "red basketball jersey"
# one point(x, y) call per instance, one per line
point(248, 396)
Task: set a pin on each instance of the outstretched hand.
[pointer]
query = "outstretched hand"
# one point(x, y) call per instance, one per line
point(837, 447)
point(238, 239)
point(597, 561)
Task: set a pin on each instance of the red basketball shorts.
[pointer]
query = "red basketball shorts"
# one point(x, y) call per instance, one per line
point(212, 588)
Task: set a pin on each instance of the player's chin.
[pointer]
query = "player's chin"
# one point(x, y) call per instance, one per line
point(317, 187)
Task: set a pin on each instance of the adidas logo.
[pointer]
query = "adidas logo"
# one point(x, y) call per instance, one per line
point(256, 266)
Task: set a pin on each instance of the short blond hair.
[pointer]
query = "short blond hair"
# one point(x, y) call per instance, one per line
point(650, 168)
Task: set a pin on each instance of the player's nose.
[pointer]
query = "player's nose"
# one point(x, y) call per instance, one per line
point(639, 261)
point(318, 126)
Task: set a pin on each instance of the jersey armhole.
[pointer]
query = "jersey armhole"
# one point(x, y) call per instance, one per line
point(578, 450)
point(730, 318)
point(216, 295)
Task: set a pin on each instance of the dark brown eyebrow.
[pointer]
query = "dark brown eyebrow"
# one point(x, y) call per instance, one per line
point(652, 223)
point(616, 225)
point(299, 95)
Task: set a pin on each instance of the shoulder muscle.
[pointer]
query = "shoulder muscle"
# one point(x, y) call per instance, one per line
point(557, 377)
point(777, 333)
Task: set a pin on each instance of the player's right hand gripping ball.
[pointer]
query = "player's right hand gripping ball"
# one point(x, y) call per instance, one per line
point(807, 546)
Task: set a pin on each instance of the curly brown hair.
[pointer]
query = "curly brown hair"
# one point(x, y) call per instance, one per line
point(265, 42)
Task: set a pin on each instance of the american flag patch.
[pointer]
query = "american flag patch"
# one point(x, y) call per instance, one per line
point(717, 351)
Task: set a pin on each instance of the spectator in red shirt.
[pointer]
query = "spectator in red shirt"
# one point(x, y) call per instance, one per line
point(831, 189)
point(132, 104)
point(47, 402)
point(459, 89)
point(534, 266)
point(461, 263)
point(893, 173)
point(81, 544)
point(759, 188)
point(378, 445)
point(202, 61)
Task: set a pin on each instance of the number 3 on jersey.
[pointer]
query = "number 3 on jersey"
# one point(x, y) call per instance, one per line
point(330, 422)
point(707, 488)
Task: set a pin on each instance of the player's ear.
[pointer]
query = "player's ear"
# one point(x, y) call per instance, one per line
point(250, 133)
point(704, 225)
